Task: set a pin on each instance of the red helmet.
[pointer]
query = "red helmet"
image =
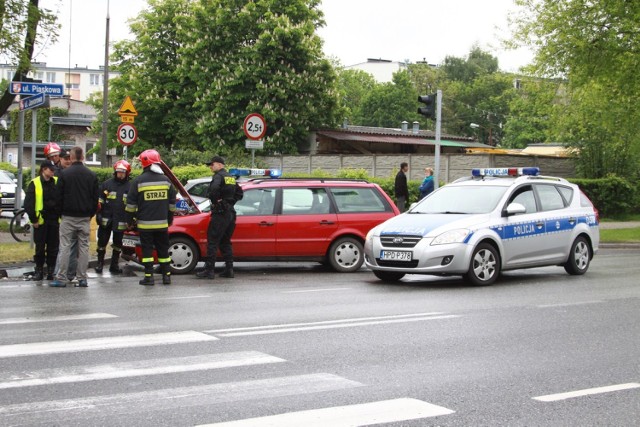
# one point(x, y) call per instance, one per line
point(149, 157)
point(51, 149)
point(122, 165)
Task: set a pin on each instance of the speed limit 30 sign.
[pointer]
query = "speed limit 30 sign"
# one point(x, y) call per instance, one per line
point(254, 126)
point(127, 134)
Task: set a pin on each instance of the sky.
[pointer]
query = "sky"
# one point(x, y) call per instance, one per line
point(396, 30)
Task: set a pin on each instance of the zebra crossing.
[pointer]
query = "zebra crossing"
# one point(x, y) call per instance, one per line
point(73, 395)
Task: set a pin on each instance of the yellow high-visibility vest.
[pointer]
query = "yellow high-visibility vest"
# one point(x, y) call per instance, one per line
point(37, 185)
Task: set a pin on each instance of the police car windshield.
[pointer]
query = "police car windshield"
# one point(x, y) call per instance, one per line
point(5, 179)
point(461, 199)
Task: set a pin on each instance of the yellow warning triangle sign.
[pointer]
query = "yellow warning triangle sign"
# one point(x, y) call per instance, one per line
point(127, 108)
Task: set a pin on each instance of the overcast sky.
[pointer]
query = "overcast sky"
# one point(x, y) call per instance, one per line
point(355, 30)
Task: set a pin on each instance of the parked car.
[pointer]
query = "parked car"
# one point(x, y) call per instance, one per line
point(493, 221)
point(8, 186)
point(309, 219)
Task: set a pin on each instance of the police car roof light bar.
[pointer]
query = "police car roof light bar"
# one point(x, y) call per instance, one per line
point(271, 173)
point(530, 171)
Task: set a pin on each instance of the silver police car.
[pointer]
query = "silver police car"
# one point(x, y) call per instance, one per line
point(497, 219)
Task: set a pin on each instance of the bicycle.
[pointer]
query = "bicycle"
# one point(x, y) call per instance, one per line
point(20, 226)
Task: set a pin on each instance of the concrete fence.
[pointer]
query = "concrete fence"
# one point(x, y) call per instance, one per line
point(452, 166)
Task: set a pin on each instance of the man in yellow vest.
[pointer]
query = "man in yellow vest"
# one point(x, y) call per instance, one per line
point(42, 205)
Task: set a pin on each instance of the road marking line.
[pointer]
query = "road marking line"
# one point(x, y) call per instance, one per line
point(315, 290)
point(324, 322)
point(104, 343)
point(586, 392)
point(385, 411)
point(88, 316)
point(60, 411)
point(569, 304)
point(134, 369)
point(191, 297)
point(335, 326)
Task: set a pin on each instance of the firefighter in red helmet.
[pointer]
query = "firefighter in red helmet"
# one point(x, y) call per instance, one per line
point(111, 216)
point(151, 202)
point(52, 152)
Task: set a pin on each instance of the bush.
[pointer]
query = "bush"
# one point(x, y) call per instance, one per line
point(612, 196)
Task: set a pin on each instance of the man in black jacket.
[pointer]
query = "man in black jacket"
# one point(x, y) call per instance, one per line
point(401, 189)
point(78, 189)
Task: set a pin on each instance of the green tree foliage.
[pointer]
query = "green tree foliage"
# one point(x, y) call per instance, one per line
point(353, 87)
point(595, 46)
point(466, 70)
point(388, 104)
point(258, 56)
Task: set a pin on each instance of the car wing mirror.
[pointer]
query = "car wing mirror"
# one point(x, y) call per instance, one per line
point(514, 209)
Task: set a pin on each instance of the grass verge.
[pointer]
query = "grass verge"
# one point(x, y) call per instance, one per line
point(18, 252)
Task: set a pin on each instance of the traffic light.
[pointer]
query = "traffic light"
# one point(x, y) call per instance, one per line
point(429, 109)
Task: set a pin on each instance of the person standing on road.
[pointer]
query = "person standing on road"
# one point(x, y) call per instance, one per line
point(65, 162)
point(222, 193)
point(427, 183)
point(41, 203)
point(111, 215)
point(52, 152)
point(78, 191)
point(151, 203)
point(401, 188)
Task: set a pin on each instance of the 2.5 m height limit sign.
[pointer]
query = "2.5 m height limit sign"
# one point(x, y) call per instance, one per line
point(127, 134)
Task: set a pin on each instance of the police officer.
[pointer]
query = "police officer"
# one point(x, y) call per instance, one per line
point(42, 205)
point(223, 220)
point(111, 215)
point(152, 202)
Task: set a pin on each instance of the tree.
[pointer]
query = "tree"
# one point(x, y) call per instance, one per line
point(595, 46)
point(22, 25)
point(258, 56)
point(353, 87)
point(477, 63)
point(389, 104)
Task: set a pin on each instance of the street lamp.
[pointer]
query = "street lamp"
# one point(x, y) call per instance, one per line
point(477, 126)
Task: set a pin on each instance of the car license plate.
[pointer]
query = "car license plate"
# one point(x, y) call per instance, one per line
point(395, 255)
point(129, 243)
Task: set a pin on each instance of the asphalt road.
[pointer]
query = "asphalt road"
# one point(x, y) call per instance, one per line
point(305, 345)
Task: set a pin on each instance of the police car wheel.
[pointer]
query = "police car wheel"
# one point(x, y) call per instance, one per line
point(388, 276)
point(484, 267)
point(184, 255)
point(346, 255)
point(579, 257)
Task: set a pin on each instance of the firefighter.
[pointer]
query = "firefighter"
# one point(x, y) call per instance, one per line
point(52, 152)
point(111, 215)
point(42, 205)
point(151, 203)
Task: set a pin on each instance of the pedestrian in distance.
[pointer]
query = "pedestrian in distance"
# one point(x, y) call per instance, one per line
point(78, 192)
point(65, 159)
point(151, 203)
point(111, 216)
point(223, 193)
point(427, 185)
point(401, 189)
point(42, 206)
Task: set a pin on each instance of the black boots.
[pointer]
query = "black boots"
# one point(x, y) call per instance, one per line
point(50, 271)
point(228, 270)
point(113, 268)
point(208, 272)
point(166, 273)
point(148, 275)
point(38, 275)
point(99, 267)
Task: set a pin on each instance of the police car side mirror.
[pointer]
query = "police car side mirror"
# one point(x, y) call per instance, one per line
point(514, 209)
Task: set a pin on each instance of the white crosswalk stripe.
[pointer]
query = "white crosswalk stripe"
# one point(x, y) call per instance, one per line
point(387, 411)
point(88, 316)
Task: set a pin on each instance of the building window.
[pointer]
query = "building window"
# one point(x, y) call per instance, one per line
point(94, 79)
point(9, 75)
point(51, 77)
point(93, 157)
point(39, 75)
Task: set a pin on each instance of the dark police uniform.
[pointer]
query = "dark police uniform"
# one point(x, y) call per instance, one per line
point(152, 202)
point(222, 224)
point(112, 217)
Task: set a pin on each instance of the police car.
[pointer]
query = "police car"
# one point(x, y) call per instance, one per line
point(497, 219)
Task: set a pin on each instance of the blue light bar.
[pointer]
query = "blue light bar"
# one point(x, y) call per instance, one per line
point(271, 173)
point(530, 171)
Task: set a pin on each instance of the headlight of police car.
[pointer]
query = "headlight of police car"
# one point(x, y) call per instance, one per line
point(452, 236)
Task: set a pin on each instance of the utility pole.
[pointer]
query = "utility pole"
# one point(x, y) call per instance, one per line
point(105, 96)
point(436, 179)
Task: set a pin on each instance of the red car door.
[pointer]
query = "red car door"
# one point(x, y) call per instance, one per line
point(256, 224)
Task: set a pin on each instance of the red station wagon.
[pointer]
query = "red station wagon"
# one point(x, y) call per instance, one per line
point(303, 219)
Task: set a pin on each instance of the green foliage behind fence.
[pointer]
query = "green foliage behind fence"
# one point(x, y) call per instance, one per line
point(613, 196)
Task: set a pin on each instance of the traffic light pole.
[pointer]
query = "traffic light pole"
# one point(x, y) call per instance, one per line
point(436, 179)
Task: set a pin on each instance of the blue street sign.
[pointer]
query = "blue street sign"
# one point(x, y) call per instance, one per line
point(26, 88)
point(32, 102)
